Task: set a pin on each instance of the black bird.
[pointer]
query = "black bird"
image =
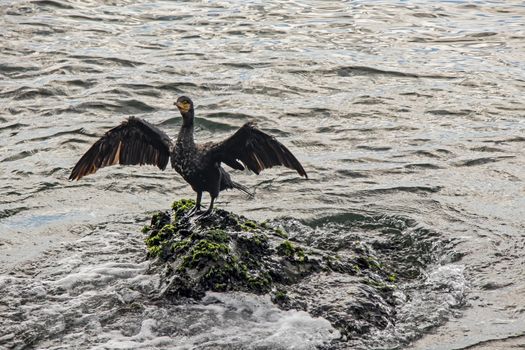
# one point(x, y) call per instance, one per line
point(136, 141)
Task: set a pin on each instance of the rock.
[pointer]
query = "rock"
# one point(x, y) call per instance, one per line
point(227, 252)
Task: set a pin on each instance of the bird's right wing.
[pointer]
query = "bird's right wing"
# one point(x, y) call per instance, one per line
point(135, 141)
point(256, 150)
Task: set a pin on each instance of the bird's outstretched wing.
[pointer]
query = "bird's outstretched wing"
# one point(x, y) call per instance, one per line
point(135, 141)
point(256, 150)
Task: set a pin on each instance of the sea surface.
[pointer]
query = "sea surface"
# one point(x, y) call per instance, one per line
point(406, 110)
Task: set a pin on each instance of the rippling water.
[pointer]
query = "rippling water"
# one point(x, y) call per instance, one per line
point(409, 109)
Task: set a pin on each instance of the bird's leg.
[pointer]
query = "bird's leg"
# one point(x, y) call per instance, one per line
point(208, 211)
point(197, 206)
point(214, 193)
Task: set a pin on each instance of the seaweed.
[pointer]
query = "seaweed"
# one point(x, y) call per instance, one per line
point(228, 252)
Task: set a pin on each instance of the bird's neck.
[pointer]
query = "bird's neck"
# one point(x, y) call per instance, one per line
point(187, 119)
point(186, 131)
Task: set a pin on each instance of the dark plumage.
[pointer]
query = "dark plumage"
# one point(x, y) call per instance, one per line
point(136, 141)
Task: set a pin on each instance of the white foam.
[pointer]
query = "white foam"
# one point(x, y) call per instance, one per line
point(101, 274)
point(96, 294)
point(427, 304)
point(238, 320)
point(146, 338)
point(450, 278)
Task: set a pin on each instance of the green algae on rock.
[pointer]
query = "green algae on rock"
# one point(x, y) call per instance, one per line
point(228, 252)
point(221, 252)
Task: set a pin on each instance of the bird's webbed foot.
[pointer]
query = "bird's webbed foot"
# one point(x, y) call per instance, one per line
point(207, 212)
point(204, 215)
point(194, 211)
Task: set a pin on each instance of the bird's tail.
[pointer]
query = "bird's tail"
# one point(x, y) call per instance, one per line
point(243, 188)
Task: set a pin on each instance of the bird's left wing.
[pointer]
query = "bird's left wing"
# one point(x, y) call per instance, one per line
point(135, 141)
point(256, 150)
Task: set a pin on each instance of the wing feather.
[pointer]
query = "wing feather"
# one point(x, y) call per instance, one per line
point(256, 150)
point(135, 141)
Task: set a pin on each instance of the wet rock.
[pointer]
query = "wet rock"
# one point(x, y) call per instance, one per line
point(227, 252)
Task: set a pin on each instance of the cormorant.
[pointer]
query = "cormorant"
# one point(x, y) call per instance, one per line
point(136, 141)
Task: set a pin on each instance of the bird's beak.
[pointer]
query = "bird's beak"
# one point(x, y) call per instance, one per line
point(183, 108)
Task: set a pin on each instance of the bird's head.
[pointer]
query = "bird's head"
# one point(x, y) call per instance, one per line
point(184, 104)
